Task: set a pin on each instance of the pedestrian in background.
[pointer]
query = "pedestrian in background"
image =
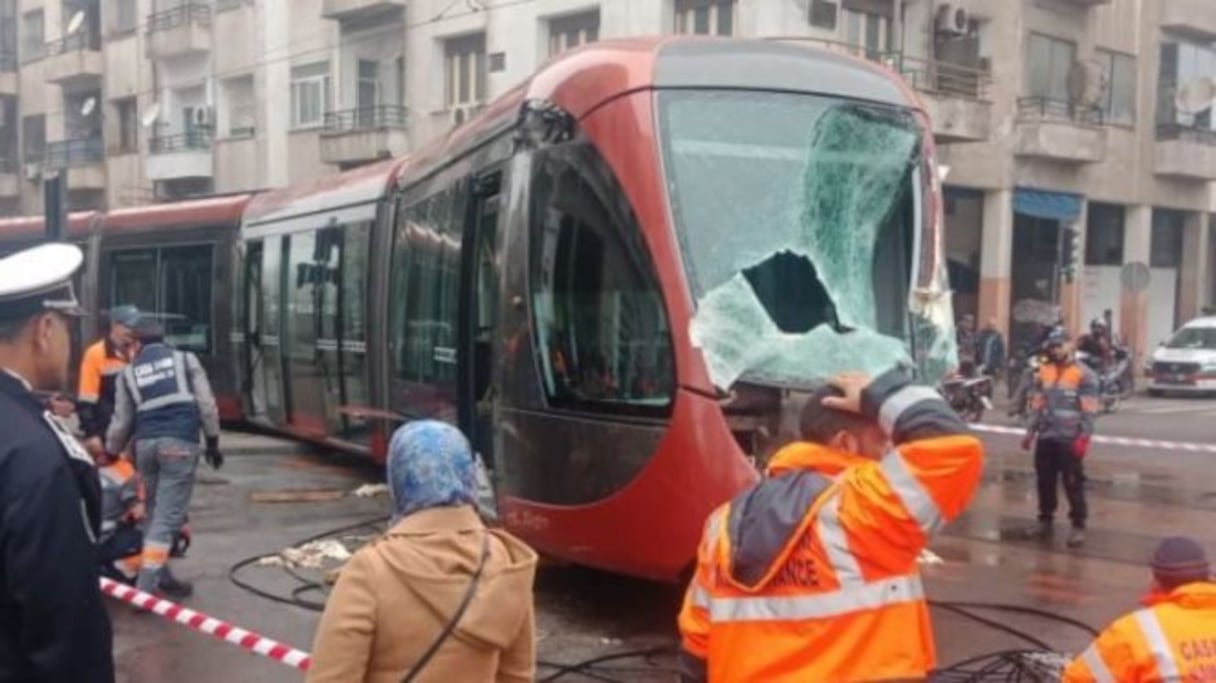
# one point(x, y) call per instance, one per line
point(162, 401)
point(991, 345)
point(1173, 638)
point(439, 597)
point(1064, 401)
point(53, 625)
point(99, 369)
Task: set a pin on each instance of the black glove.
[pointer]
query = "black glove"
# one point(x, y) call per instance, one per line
point(213, 455)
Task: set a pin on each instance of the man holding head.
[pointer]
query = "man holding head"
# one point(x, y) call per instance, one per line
point(1173, 638)
point(53, 625)
point(811, 574)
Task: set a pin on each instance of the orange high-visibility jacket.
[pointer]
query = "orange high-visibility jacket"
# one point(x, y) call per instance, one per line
point(99, 370)
point(811, 574)
point(1174, 639)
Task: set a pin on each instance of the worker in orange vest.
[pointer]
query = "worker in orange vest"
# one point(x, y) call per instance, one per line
point(1172, 639)
point(811, 574)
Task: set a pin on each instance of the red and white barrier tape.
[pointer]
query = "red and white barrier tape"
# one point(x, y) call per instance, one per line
point(1114, 440)
point(253, 642)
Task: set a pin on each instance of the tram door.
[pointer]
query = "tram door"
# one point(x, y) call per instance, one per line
point(253, 380)
point(479, 318)
point(310, 336)
point(266, 348)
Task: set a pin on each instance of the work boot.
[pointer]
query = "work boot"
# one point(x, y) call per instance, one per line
point(1076, 538)
point(174, 587)
point(1042, 531)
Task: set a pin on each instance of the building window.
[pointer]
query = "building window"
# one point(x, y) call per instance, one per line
point(823, 14)
point(1165, 244)
point(33, 38)
point(602, 333)
point(1119, 102)
point(240, 107)
point(127, 112)
point(1048, 62)
point(1104, 235)
point(1183, 63)
point(309, 94)
point(33, 138)
point(574, 30)
point(706, 17)
point(465, 62)
point(123, 17)
point(868, 31)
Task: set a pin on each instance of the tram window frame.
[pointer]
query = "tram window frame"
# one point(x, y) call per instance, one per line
point(163, 258)
point(422, 299)
point(579, 208)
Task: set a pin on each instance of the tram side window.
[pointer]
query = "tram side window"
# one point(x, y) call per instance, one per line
point(173, 284)
point(354, 314)
point(426, 289)
point(603, 333)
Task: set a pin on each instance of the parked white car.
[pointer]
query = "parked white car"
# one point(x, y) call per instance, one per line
point(1186, 363)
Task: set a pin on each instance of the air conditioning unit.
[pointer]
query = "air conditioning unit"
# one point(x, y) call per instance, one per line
point(461, 114)
point(33, 171)
point(952, 21)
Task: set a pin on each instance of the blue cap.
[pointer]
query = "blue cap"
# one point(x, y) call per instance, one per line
point(127, 316)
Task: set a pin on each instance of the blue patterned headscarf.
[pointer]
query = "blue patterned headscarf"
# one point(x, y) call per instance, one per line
point(430, 464)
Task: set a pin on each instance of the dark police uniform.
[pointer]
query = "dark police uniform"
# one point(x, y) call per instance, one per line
point(53, 625)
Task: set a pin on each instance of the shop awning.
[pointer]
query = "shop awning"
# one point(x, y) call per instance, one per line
point(1058, 206)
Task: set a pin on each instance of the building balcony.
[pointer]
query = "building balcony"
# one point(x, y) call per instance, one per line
point(75, 62)
point(10, 178)
point(1085, 3)
point(955, 97)
point(1060, 131)
point(183, 30)
point(365, 134)
point(1195, 18)
point(83, 159)
point(179, 156)
point(1185, 152)
point(350, 9)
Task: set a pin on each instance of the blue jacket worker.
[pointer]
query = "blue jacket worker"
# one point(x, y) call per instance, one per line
point(53, 625)
point(162, 401)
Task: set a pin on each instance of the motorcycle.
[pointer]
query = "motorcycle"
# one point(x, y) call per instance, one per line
point(968, 396)
point(1115, 383)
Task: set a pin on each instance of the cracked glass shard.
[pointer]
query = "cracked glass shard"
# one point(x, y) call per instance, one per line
point(796, 215)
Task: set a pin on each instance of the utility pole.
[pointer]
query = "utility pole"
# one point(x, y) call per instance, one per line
point(55, 211)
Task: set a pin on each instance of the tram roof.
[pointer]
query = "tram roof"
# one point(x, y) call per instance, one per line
point(356, 186)
point(584, 78)
point(183, 214)
point(29, 227)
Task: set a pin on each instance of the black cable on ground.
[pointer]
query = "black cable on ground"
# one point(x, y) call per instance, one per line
point(583, 666)
point(1019, 609)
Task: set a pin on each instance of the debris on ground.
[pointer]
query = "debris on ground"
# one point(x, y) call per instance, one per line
point(929, 557)
point(308, 556)
point(371, 491)
point(290, 496)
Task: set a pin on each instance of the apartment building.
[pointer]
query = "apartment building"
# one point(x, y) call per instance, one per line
point(1063, 126)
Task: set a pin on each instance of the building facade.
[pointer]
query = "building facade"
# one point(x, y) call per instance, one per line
point(1078, 151)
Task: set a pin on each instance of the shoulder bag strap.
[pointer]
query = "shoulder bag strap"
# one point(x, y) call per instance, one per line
point(451, 625)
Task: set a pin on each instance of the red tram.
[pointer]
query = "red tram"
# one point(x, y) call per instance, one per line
point(619, 280)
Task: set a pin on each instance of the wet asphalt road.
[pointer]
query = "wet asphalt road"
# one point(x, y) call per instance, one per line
point(1136, 496)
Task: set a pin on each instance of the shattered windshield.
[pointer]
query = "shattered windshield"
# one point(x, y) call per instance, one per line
point(797, 217)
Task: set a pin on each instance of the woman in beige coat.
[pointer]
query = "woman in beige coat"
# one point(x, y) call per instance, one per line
point(402, 594)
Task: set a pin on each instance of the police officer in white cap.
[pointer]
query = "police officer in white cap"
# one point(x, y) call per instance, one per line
point(53, 625)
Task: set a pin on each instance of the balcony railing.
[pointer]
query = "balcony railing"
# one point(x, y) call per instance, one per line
point(179, 16)
point(942, 77)
point(74, 43)
point(78, 152)
point(1178, 131)
point(225, 5)
point(8, 61)
point(1046, 108)
point(364, 118)
point(190, 141)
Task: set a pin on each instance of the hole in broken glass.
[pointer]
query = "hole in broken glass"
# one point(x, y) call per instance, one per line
point(790, 290)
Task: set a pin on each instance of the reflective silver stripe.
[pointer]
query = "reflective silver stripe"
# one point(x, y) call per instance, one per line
point(836, 542)
point(700, 597)
point(112, 370)
point(914, 496)
point(128, 376)
point(903, 399)
point(1158, 645)
point(1097, 665)
point(893, 591)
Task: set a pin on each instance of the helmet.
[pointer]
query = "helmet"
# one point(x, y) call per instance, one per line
point(1097, 323)
point(1057, 337)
